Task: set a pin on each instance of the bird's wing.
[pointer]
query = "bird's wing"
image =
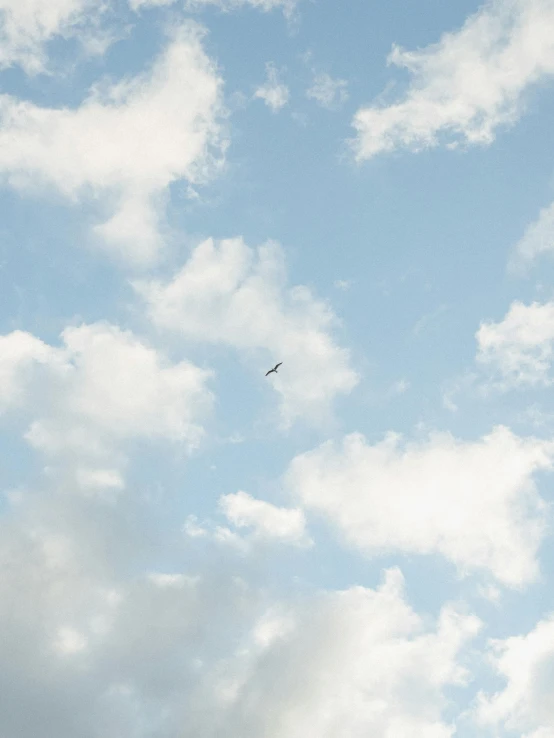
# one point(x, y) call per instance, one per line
point(269, 372)
point(278, 365)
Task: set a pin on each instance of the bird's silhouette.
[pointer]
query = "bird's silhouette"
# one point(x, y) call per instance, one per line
point(274, 369)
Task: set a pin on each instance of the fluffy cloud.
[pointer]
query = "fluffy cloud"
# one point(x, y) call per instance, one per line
point(538, 239)
point(259, 521)
point(328, 92)
point(355, 662)
point(126, 144)
point(230, 294)
point(518, 350)
point(101, 388)
point(26, 27)
point(468, 84)
point(20, 354)
point(267, 521)
point(472, 502)
point(95, 641)
point(274, 93)
point(98, 642)
point(526, 663)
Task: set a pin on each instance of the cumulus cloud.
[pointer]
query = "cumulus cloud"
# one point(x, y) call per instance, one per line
point(274, 93)
point(230, 294)
point(26, 28)
point(472, 502)
point(266, 521)
point(102, 387)
point(20, 354)
point(328, 92)
point(468, 84)
point(538, 239)
point(514, 353)
point(255, 521)
point(354, 662)
point(517, 351)
point(526, 664)
point(125, 144)
point(98, 641)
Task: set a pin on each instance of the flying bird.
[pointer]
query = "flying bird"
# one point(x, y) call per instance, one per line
point(274, 369)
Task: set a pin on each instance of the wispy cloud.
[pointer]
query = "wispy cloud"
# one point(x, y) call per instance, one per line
point(288, 6)
point(27, 27)
point(328, 92)
point(537, 240)
point(518, 350)
point(428, 320)
point(274, 93)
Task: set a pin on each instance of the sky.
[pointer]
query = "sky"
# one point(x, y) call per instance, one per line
point(360, 544)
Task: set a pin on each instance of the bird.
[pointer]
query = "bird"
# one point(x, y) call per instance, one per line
point(274, 369)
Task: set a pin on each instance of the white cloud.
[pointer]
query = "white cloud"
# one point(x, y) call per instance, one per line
point(192, 528)
point(328, 92)
point(472, 502)
point(99, 481)
point(70, 641)
point(518, 350)
point(227, 537)
point(274, 93)
point(355, 662)
point(490, 592)
point(267, 521)
point(172, 581)
point(101, 388)
point(97, 641)
point(400, 387)
point(209, 532)
point(468, 84)
point(93, 645)
point(538, 239)
point(230, 294)
point(20, 353)
point(287, 6)
point(514, 353)
point(26, 27)
point(260, 521)
point(526, 663)
point(125, 144)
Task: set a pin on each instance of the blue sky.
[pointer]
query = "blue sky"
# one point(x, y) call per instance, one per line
point(361, 544)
